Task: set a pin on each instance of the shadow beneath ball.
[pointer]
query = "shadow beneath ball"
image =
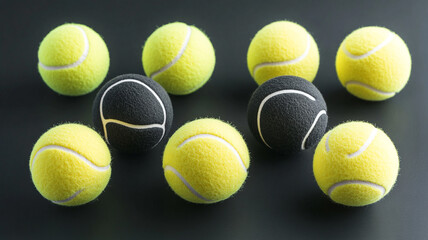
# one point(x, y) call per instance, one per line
point(236, 93)
point(156, 201)
point(37, 92)
point(261, 153)
point(342, 107)
point(34, 98)
point(338, 99)
point(129, 157)
point(138, 181)
point(319, 208)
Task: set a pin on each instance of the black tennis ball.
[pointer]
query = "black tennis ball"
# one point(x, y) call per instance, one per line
point(287, 114)
point(132, 112)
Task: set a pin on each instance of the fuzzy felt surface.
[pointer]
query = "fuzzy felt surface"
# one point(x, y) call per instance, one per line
point(285, 119)
point(213, 169)
point(377, 164)
point(137, 100)
point(63, 46)
point(278, 42)
point(387, 69)
point(59, 174)
point(191, 70)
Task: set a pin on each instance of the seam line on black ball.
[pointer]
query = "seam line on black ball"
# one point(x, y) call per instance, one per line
point(183, 180)
point(76, 63)
point(366, 183)
point(375, 49)
point(176, 58)
point(287, 62)
point(352, 82)
point(286, 91)
point(70, 198)
point(320, 113)
point(228, 145)
point(67, 150)
point(129, 125)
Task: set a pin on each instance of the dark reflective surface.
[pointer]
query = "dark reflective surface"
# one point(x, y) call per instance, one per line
point(280, 199)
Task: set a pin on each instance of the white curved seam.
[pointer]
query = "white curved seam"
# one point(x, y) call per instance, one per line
point(180, 53)
point(375, 49)
point(70, 198)
point(327, 147)
point(76, 63)
point(369, 87)
point(287, 62)
point(271, 96)
point(365, 145)
point(374, 185)
point(311, 128)
point(74, 153)
point(129, 125)
point(228, 145)
point(105, 121)
point(198, 195)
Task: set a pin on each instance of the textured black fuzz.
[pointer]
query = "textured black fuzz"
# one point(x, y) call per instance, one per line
point(132, 112)
point(288, 106)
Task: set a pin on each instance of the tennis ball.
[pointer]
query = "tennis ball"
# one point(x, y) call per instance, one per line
point(282, 48)
point(287, 114)
point(373, 63)
point(206, 161)
point(73, 60)
point(179, 57)
point(355, 164)
point(70, 164)
point(132, 112)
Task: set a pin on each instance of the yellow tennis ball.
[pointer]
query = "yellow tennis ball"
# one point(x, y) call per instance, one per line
point(373, 63)
point(73, 59)
point(179, 57)
point(206, 161)
point(355, 164)
point(282, 48)
point(70, 164)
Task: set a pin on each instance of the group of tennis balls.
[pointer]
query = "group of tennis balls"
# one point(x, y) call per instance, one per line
point(206, 160)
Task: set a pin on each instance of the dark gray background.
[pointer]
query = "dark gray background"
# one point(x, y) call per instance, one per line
point(280, 199)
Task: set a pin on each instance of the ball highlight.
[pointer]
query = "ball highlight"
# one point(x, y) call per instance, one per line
point(373, 63)
point(206, 161)
point(70, 164)
point(179, 57)
point(73, 59)
point(356, 164)
point(282, 48)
